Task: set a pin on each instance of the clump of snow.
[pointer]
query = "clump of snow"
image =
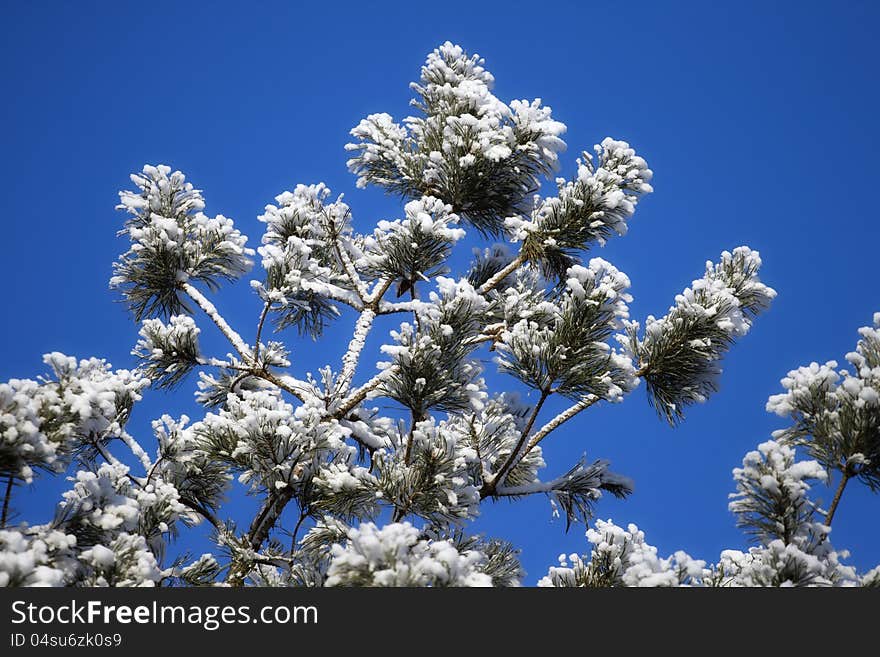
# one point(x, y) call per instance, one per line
point(395, 555)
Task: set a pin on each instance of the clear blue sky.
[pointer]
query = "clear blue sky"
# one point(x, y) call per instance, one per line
point(759, 120)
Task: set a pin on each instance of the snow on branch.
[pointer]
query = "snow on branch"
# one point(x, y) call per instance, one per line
point(565, 349)
point(679, 354)
point(44, 423)
point(395, 555)
point(168, 351)
point(835, 413)
point(173, 242)
point(589, 209)
point(482, 156)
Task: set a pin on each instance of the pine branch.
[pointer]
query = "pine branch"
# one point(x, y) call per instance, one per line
point(302, 516)
point(285, 382)
point(559, 420)
point(829, 517)
point(138, 451)
point(357, 283)
point(268, 516)
point(211, 311)
point(205, 513)
point(6, 497)
point(409, 440)
point(372, 302)
point(480, 339)
point(355, 347)
point(107, 456)
point(350, 402)
point(387, 308)
point(493, 282)
point(336, 293)
point(490, 486)
point(218, 362)
point(266, 307)
point(379, 290)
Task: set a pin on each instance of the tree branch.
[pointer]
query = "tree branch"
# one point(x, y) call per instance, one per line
point(529, 489)
point(359, 287)
point(6, 497)
point(267, 516)
point(559, 420)
point(829, 517)
point(498, 478)
point(204, 512)
point(379, 290)
point(217, 362)
point(287, 386)
point(388, 308)
point(302, 516)
point(266, 308)
point(211, 311)
point(350, 402)
point(102, 450)
point(138, 451)
point(511, 267)
point(336, 293)
point(407, 455)
point(244, 351)
point(355, 347)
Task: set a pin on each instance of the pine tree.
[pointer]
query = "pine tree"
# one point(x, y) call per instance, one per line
point(386, 500)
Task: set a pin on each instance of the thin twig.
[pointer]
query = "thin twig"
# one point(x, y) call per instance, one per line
point(6, 497)
point(153, 468)
point(302, 516)
point(489, 486)
point(204, 512)
point(262, 321)
point(412, 295)
point(400, 512)
point(409, 440)
point(829, 517)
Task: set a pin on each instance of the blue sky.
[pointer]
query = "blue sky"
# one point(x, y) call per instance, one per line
point(758, 119)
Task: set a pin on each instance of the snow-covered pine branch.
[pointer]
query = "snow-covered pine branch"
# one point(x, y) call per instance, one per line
point(168, 351)
point(564, 346)
point(679, 354)
point(173, 242)
point(44, 423)
point(589, 209)
point(480, 155)
point(834, 418)
point(305, 279)
point(771, 502)
point(835, 414)
point(396, 555)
